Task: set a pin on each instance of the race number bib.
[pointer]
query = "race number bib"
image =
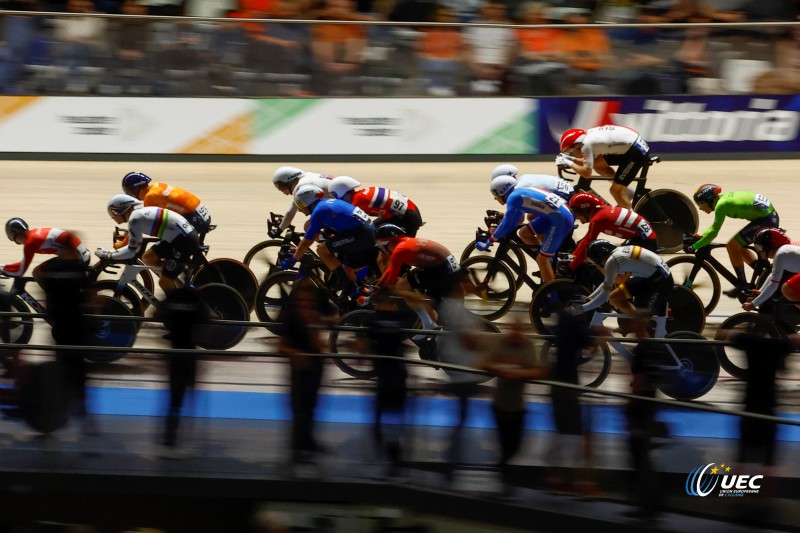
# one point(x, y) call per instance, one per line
point(644, 229)
point(360, 214)
point(203, 212)
point(549, 204)
point(761, 202)
point(399, 204)
point(452, 264)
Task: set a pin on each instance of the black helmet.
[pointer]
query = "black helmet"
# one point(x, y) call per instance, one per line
point(388, 232)
point(15, 227)
point(599, 250)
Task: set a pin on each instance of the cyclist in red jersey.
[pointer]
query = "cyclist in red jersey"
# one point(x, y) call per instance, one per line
point(68, 249)
point(611, 220)
point(385, 204)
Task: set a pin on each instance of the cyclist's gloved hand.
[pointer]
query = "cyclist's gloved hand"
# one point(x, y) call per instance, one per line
point(563, 269)
point(563, 162)
point(103, 254)
point(485, 244)
point(288, 262)
point(688, 241)
point(576, 310)
point(274, 233)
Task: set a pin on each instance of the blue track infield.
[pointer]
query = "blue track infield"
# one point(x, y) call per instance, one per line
point(423, 411)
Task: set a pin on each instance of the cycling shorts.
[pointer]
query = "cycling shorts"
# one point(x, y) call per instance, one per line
point(642, 242)
point(410, 221)
point(182, 248)
point(436, 282)
point(650, 293)
point(630, 163)
point(745, 236)
point(794, 284)
point(354, 248)
point(555, 229)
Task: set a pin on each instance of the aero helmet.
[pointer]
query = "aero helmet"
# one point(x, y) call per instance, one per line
point(119, 204)
point(341, 185)
point(133, 181)
point(505, 170)
point(15, 227)
point(581, 202)
point(389, 232)
point(599, 250)
point(570, 137)
point(768, 239)
point(705, 194)
point(502, 186)
point(307, 195)
point(286, 175)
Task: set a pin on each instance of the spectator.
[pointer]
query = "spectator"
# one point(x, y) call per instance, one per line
point(587, 51)
point(441, 53)
point(491, 50)
point(165, 8)
point(302, 342)
point(209, 8)
point(785, 77)
point(513, 359)
point(181, 312)
point(131, 42)
point(82, 42)
point(538, 60)
point(693, 58)
point(338, 49)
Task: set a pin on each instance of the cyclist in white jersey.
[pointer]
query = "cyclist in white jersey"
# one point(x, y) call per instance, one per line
point(286, 179)
point(546, 182)
point(596, 149)
point(178, 242)
point(647, 286)
point(773, 243)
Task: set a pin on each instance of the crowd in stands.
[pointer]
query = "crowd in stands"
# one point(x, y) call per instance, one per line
point(190, 57)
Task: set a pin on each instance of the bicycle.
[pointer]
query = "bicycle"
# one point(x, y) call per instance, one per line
point(343, 339)
point(783, 318)
point(100, 331)
point(671, 213)
point(701, 270)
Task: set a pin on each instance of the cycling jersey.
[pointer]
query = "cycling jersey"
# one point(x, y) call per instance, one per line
point(787, 259)
point(179, 201)
point(56, 241)
point(633, 260)
point(320, 180)
point(382, 202)
point(553, 217)
point(613, 220)
point(546, 182)
point(420, 253)
point(610, 139)
point(154, 221)
point(336, 216)
point(738, 204)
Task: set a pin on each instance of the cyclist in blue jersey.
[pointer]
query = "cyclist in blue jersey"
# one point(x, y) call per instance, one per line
point(546, 182)
point(350, 234)
point(552, 223)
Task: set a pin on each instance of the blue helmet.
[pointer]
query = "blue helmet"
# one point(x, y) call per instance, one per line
point(133, 181)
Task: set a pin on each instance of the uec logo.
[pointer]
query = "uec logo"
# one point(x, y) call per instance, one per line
point(697, 484)
point(700, 482)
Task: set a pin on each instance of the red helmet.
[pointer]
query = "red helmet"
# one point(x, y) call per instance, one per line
point(584, 201)
point(570, 137)
point(768, 239)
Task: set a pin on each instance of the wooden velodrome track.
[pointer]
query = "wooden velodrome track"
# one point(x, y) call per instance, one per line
point(452, 198)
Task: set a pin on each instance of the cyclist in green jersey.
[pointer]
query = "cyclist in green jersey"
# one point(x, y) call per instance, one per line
point(738, 204)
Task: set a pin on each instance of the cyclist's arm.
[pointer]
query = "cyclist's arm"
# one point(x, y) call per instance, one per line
point(288, 217)
point(601, 293)
point(302, 248)
point(580, 250)
point(511, 218)
point(602, 167)
point(134, 242)
point(16, 270)
point(771, 285)
point(720, 212)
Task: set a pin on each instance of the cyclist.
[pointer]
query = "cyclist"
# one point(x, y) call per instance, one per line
point(158, 194)
point(385, 204)
point(773, 243)
point(546, 182)
point(596, 149)
point(552, 225)
point(648, 286)
point(611, 220)
point(178, 243)
point(754, 207)
point(70, 253)
point(351, 234)
point(286, 179)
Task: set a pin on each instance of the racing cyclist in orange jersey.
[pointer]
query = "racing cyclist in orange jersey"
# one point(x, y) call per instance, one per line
point(158, 194)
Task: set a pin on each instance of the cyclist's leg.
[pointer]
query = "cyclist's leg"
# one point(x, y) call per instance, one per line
point(627, 170)
point(791, 289)
point(737, 247)
point(552, 230)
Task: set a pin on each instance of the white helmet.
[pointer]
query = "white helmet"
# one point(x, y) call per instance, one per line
point(286, 175)
point(121, 204)
point(501, 186)
point(307, 194)
point(505, 169)
point(341, 185)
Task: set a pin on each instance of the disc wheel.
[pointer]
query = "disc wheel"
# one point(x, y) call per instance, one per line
point(705, 282)
point(107, 332)
point(671, 214)
point(232, 273)
point(224, 303)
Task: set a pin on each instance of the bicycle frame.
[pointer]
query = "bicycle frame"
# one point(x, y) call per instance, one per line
point(128, 277)
point(660, 332)
point(705, 255)
point(513, 241)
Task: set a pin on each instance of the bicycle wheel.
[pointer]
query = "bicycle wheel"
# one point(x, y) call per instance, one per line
point(107, 331)
point(593, 367)
point(263, 258)
point(697, 371)
point(686, 311)
point(271, 296)
point(549, 299)
point(732, 359)
point(145, 277)
point(15, 329)
point(514, 254)
point(127, 295)
point(671, 214)
point(341, 341)
point(225, 303)
point(232, 273)
point(704, 282)
point(496, 288)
